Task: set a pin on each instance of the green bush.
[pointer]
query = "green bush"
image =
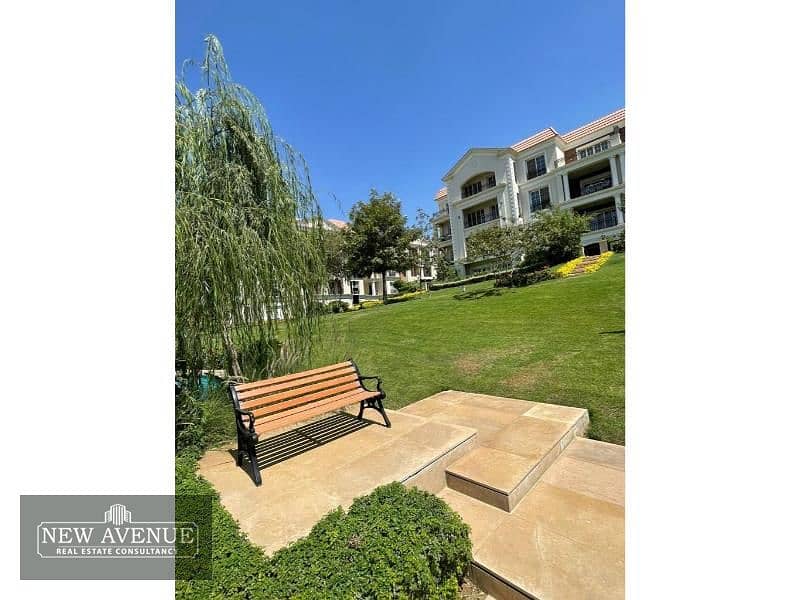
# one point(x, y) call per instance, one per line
point(523, 277)
point(338, 306)
point(394, 543)
point(554, 238)
point(404, 287)
point(200, 423)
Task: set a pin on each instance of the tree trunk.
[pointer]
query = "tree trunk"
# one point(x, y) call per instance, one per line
point(383, 286)
point(233, 354)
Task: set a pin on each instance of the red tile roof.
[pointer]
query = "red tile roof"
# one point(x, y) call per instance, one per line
point(596, 125)
point(440, 194)
point(536, 138)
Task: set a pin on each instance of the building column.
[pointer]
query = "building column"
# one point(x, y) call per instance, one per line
point(620, 215)
point(565, 186)
point(612, 163)
point(512, 214)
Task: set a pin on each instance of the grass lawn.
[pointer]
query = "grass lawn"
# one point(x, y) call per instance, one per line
point(560, 341)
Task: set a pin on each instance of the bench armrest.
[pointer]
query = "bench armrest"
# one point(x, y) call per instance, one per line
point(239, 412)
point(377, 379)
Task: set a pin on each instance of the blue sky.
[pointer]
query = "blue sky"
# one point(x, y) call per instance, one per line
point(390, 94)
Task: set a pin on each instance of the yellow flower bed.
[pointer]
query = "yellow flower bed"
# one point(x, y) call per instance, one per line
point(568, 268)
point(598, 263)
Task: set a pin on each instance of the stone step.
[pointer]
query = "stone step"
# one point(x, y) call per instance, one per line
point(565, 539)
point(503, 468)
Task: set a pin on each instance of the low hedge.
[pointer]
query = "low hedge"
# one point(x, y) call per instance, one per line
point(404, 297)
point(522, 278)
point(393, 543)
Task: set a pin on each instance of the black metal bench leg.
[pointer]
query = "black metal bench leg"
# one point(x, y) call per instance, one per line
point(377, 404)
point(255, 472)
point(383, 413)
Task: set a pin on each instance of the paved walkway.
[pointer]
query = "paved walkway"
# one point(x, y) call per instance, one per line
point(546, 507)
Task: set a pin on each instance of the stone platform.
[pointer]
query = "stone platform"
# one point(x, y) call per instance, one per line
point(546, 507)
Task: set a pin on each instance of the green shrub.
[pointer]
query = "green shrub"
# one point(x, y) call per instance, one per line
point(404, 287)
point(523, 277)
point(338, 306)
point(393, 543)
point(238, 567)
point(553, 238)
point(200, 423)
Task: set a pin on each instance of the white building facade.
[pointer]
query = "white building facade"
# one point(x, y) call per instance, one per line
point(583, 171)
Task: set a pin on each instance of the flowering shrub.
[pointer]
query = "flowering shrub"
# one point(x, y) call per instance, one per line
point(568, 268)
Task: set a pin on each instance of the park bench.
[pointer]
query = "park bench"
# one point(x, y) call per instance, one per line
point(269, 404)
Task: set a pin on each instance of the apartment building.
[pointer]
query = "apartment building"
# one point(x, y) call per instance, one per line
point(582, 170)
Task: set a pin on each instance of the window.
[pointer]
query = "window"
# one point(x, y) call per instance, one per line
point(591, 150)
point(482, 215)
point(540, 199)
point(536, 167)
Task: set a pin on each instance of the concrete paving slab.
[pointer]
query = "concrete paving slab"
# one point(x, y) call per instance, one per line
point(530, 436)
point(601, 453)
point(298, 491)
point(587, 478)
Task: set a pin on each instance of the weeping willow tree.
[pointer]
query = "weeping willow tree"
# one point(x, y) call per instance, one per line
point(248, 240)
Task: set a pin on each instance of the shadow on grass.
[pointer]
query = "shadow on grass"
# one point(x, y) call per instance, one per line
point(281, 447)
point(615, 332)
point(478, 294)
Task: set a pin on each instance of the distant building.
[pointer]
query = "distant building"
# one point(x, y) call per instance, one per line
point(583, 171)
point(369, 288)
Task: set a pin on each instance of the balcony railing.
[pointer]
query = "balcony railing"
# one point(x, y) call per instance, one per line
point(596, 186)
point(441, 213)
point(444, 237)
point(603, 220)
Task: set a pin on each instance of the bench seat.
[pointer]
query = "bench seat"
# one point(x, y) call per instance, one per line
point(270, 404)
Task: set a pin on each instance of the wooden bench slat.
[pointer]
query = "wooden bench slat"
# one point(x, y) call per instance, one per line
point(313, 410)
point(296, 383)
point(243, 387)
point(300, 391)
point(325, 393)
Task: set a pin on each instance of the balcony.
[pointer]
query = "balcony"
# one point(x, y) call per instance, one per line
point(588, 151)
point(603, 220)
point(477, 184)
point(443, 238)
point(441, 215)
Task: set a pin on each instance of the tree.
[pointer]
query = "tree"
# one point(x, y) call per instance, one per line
point(247, 230)
point(554, 237)
point(445, 271)
point(378, 238)
point(502, 244)
point(336, 253)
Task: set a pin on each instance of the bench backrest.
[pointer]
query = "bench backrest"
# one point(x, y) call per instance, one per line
point(275, 395)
